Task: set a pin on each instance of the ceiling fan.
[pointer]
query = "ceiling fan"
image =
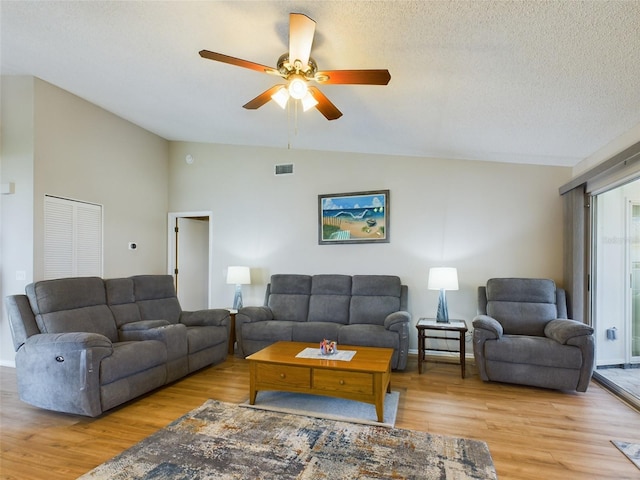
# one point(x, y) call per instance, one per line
point(299, 69)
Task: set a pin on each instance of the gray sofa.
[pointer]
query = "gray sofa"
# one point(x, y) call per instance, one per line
point(366, 310)
point(522, 335)
point(85, 345)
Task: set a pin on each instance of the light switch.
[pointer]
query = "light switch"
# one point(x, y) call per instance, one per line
point(21, 275)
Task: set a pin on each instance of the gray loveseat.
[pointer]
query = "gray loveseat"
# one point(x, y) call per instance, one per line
point(366, 310)
point(85, 345)
point(522, 335)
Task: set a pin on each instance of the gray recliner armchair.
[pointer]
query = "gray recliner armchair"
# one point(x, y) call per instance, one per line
point(522, 335)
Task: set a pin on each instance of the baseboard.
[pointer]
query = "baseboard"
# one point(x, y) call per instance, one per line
point(7, 363)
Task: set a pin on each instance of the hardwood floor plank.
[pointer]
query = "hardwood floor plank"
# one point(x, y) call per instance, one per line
point(532, 433)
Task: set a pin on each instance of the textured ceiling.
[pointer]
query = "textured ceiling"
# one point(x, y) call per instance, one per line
point(527, 81)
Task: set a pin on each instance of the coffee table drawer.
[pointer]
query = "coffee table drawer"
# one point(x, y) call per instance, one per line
point(283, 375)
point(352, 382)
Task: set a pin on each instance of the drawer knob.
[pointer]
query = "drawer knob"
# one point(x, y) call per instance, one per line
point(282, 375)
point(341, 382)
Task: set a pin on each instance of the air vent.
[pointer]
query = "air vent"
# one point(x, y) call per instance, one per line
point(285, 169)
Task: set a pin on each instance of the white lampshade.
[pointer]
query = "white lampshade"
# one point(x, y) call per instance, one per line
point(239, 275)
point(443, 278)
point(281, 97)
point(308, 102)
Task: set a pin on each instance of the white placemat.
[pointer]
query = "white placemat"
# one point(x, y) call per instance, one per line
point(343, 355)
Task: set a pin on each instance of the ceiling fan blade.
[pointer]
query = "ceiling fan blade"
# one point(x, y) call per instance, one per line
point(261, 99)
point(360, 77)
point(219, 57)
point(324, 106)
point(301, 31)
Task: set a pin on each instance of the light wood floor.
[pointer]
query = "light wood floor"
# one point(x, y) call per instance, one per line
point(532, 433)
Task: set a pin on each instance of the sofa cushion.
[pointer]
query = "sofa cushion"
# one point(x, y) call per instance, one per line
point(268, 331)
point(523, 306)
point(129, 358)
point(533, 350)
point(368, 336)
point(330, 299)
point(290, 284)
point(121, 300)
point(373, 298)
point(72, 305)
point(314, 331)
point(201, 338)
point(376, 285)
point(156, 297)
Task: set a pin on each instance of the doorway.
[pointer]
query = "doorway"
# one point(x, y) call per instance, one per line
point(190, 247)
point(616, 288)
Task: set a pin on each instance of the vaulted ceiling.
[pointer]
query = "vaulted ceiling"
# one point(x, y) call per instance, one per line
point(516, 81)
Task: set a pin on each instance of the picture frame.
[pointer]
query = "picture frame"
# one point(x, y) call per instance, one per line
point(357, 217)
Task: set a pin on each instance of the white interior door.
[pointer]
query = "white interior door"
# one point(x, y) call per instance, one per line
point(189, 258)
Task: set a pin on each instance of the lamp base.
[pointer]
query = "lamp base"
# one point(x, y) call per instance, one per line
point(442, 316)
point(237, 298)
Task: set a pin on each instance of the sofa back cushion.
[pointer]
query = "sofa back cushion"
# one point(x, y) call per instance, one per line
point(523, 306)
point(289, 297)
point(373, 297)
point(330, 298)
point(72, 305)
point(156, 298)
point(121, 300)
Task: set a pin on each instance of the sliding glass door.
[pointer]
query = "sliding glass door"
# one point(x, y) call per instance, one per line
point(616, 279)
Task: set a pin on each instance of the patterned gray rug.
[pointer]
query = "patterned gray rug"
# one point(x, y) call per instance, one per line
point(223, 441)
point(630, 450)
point(329, 408)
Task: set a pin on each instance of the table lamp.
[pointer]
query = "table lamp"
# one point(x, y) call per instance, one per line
point(443, 279)
point(238, 276)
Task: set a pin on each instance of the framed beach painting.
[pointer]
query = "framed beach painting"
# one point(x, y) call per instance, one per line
point(359, 217)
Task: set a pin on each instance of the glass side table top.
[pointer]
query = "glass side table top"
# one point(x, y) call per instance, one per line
point(432, 322)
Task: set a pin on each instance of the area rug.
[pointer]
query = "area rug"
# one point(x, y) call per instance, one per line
point(330, 408)
point(224, 441)
point(631, 450)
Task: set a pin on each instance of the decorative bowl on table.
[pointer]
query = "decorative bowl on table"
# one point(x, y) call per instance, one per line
point(328, 347)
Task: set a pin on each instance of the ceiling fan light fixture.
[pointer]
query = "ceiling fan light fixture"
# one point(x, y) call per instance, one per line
point(281, 97)
point(308, 101)
point(297, 87)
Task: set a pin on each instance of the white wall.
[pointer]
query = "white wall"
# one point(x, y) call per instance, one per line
point(16, 220)
point(487, 219)
point(56, 143)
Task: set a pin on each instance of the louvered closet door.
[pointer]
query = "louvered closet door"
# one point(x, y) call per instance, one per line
point(72, 238)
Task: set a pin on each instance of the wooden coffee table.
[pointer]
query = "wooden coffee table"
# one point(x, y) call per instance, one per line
point(366, 378)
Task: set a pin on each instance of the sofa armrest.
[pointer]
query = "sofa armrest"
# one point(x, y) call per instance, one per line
point(489, 324)
point(213, 317)
point(61, 371)
point(562, 330)
point(398, 322)
point(66, 342)
point(254, 314)
point(396, 317)
point(485, 328)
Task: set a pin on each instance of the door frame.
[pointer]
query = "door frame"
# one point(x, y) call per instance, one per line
point(171, 248)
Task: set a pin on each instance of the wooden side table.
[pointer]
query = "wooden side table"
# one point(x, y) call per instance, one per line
point(431, 324)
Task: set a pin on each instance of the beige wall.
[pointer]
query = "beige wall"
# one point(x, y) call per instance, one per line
point(486, 219)
point(77, 150)
point(16, 220)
